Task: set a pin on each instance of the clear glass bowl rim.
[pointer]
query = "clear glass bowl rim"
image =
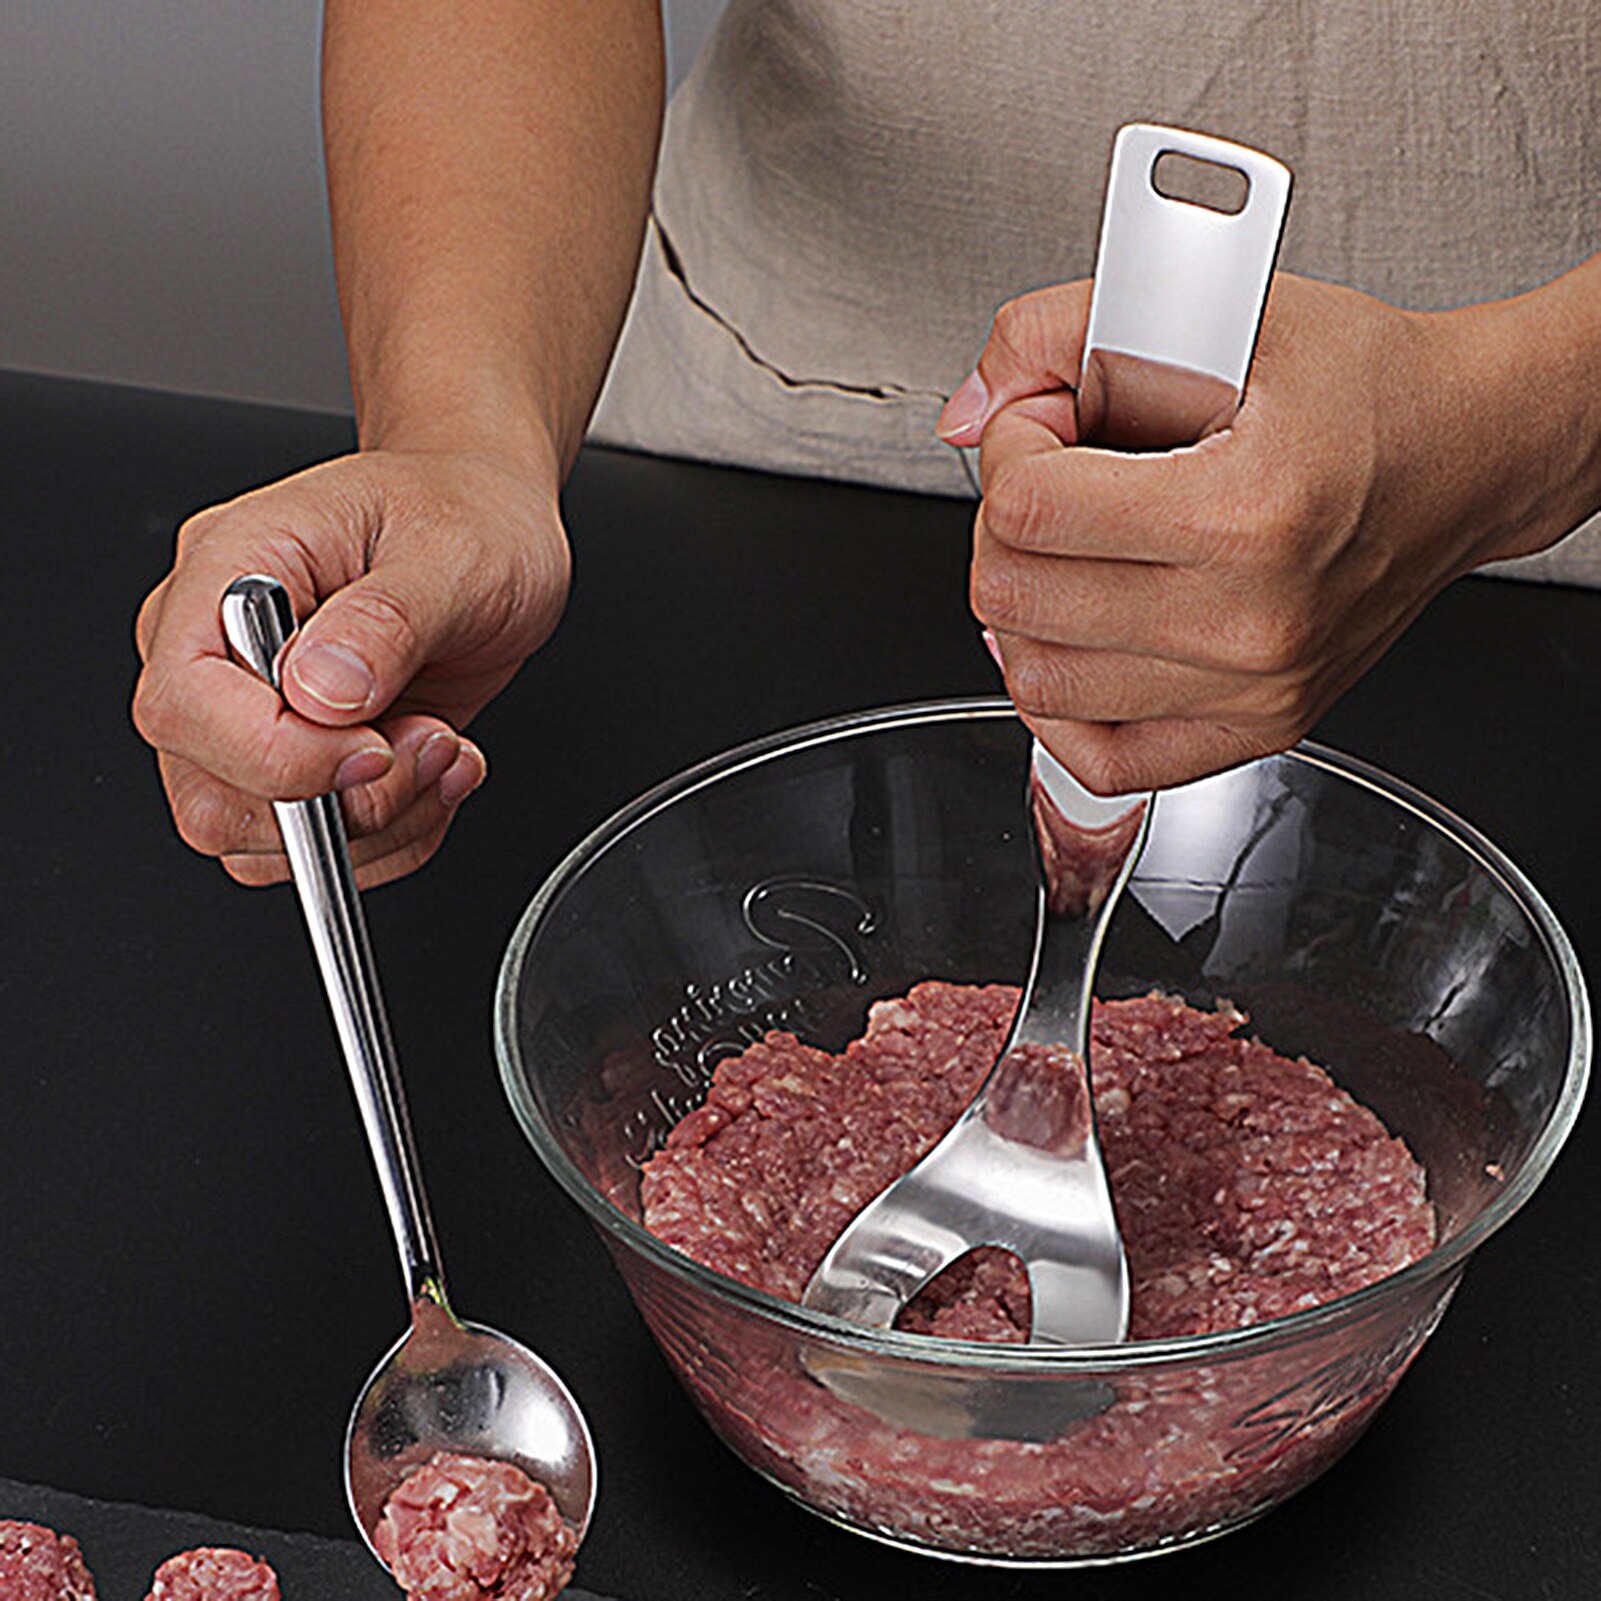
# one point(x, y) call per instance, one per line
point(1039, 1360)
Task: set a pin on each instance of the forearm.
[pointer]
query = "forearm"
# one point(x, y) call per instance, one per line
point(1527, 401)
point(489, 168)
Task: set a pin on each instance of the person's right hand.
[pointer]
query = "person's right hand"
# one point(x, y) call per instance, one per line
point(422, 580)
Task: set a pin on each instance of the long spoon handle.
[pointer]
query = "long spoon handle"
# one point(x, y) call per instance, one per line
point(259, 620)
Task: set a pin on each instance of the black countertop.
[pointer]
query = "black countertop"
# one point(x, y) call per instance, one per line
point(197, 1273)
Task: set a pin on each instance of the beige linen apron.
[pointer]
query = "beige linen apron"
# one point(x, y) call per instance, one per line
point(849, 189)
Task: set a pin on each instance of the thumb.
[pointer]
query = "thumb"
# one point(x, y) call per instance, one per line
point(364, 644)
point(1035, 347)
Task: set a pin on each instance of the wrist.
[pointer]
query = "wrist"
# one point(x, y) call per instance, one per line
point(1523, 370)
point(463, 412)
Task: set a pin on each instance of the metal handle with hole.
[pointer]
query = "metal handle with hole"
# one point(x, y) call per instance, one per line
point(1177, 282)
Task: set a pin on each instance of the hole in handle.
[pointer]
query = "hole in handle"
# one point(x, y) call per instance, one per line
point(1176, 176)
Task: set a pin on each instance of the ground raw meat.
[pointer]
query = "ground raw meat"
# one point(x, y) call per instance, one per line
point(37, 1564)
point(214, 1573)
point(460, 1528)
point(1247, 1186)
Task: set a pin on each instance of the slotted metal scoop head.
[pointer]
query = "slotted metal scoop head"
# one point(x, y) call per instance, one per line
point(1021, 1168)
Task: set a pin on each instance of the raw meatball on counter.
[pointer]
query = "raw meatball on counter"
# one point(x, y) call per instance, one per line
point(37, 1564)
point(214, 1573)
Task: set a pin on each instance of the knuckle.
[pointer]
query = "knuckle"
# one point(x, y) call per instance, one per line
point(256, 872)
point(1283, 499)
point(372, 809)
point(1020, 325)
point(382, 615)
point(380, 862)
point(194, 531)
point(1018, 511)
point(152, 707)
point(1105, 770)
point(1248, 547)
point(997, 593)
point(1294, 514)
point(1041, 687)
point(206, 820)
point(1284, 708)
point(145, 624)
point(1269, 641)
point(286, 779)
point(1293, 521)
point(1010, 329)
point(1236, 744)
point(385, 869)
point(276, 771)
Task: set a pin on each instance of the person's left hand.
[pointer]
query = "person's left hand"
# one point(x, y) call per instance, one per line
point(1165, 615)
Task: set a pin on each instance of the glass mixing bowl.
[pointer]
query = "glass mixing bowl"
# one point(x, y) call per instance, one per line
point(790, 883)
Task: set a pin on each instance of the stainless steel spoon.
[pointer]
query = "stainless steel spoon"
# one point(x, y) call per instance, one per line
point(445, 1385)
point(1180, 286)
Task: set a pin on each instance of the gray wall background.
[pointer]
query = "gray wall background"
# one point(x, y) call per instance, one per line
point(161, 195)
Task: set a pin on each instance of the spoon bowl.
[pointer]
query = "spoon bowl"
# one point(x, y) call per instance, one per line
point(460, 1387)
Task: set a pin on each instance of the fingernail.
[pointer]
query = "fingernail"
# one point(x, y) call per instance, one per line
point(466, 773)
point(363, 766)
point(337, 677)
point(962, 420)
point(435, 758)
point(993, 646)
